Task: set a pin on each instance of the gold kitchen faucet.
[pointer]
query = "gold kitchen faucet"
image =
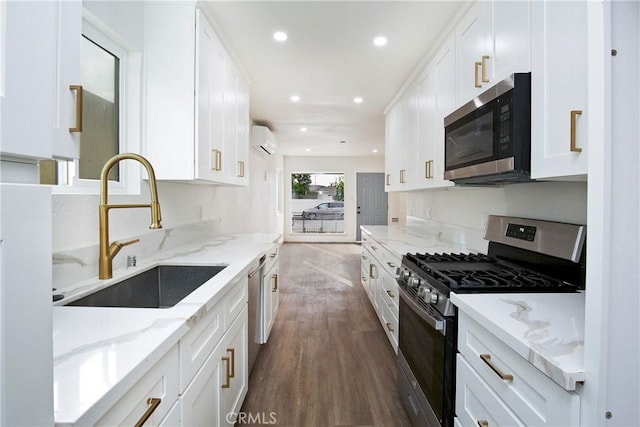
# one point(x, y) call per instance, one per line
point(109, 251)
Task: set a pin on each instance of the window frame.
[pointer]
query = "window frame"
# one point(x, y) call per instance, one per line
point(129, 85)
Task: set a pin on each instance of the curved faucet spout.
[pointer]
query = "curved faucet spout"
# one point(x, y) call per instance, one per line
point(105, 263)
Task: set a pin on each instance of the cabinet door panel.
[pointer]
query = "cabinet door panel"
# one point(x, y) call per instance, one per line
point(29, 73)
point(445, 101)
point(511, 39)
point(473, 41)
point(559, 76)
point(235, 347)
point(201, 402)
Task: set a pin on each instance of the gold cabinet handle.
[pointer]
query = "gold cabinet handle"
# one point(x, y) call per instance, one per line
point(78, 89)
point(483, 423)
point(485, 79)
point(241, 168)
point(475, 72)
point(486, 358)
point(391, 294)
point(217, 160)
point(232, 351)
point(153, 403)
point(389, 327)
point(428, 169)
point(364, 257)
point(388, 179)
point(403, 173)
point(227, 363)
point(574, 118)
point(275, 283)
point(390, 264)
point(375, 248)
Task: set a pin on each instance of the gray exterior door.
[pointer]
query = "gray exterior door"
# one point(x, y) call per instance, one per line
point(371, 200)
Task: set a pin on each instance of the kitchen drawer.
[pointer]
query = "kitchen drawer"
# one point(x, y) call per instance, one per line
point(390, 292)
point(476, 404)
point(367, 240)
point(390, 261)
point(174, 417)
point(390, 325)
point(272, 256)
point(235, 299)
point(534, 397)
point(160, 382)
point(206, 331)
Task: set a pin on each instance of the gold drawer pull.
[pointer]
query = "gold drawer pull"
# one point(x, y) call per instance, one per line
point(390, 264)
point(574, 117)
point(153, 403)
point(428, 169)
point(228, 372)
point(388, 181)
point(241, 169)
point(391, 294)
point(389, 327)
point(233, 362)
point(484, 68)
point(483, 423)
point(486, 358)
point(364, 257)
point(275, 279)
point(78, 89)
point(475, 72)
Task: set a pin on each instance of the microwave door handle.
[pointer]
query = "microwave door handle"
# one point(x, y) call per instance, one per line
point(434, 322)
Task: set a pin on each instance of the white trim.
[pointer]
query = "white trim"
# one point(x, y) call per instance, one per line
point(130, 64)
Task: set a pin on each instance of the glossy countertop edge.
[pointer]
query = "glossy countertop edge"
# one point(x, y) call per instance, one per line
point(414, 239)
point(81, 334)
point(545, 329)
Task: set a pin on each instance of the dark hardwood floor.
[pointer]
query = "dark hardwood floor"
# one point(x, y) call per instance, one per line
point(328, 361)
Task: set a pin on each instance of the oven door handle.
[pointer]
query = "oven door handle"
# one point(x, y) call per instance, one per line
point(436, 323)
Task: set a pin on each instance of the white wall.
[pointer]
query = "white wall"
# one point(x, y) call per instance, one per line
point(347, 165)
point(468, 206)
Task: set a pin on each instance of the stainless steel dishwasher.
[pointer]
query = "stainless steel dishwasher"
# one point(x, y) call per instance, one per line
point(255, 285)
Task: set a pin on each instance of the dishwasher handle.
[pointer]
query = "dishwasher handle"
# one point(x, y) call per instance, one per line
point(263, 260)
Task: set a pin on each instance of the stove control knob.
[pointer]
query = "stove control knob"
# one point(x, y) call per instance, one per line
point(416, 282)
point(422, 291)
point(406, 274)
point(433, 298)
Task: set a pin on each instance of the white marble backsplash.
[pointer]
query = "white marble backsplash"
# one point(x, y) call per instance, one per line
point(73, 266)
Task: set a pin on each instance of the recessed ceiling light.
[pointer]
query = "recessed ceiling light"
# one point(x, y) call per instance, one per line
point(380, 41)
point(280, 36)
point(303, 129)
point(375, 150)
point(357, 100)
point(295, 98)
point(307, 150)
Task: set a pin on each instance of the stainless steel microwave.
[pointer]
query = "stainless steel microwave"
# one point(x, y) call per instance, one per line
point(488, 140)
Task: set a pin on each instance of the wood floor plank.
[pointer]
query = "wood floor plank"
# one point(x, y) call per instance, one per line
point(328, 361)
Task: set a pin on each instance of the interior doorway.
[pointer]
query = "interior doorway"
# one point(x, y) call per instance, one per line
point(371, 201)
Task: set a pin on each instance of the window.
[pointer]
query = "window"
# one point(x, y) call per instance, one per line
point(317, 203)
point(109, 75)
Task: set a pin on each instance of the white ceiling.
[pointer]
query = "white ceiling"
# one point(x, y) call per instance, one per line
point(328, 59)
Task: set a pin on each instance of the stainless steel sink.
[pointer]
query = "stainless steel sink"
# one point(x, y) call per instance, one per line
point(160, 287)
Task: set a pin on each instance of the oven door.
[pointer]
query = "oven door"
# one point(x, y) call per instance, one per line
point(427, 350)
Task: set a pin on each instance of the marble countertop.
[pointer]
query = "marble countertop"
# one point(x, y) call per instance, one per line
point(545, 329)
point(420, 239)
point(99, 353)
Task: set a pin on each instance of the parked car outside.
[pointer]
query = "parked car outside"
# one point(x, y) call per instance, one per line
point(327, 210)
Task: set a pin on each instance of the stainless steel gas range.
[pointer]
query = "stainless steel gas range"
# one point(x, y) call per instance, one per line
point(524, 255)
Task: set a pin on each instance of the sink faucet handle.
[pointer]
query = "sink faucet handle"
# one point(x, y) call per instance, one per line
point(130, 242)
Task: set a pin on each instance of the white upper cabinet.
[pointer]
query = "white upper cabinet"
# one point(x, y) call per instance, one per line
point(196, 103)
point(27, 101)
point(493, 41)
point(37, 57)
point(559, 90)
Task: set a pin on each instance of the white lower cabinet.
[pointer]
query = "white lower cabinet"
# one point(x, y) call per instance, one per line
point(152, 397)
point(271, 293)
point(174, 417)
point(216, 393)
point(377, 268)
point(496, 386)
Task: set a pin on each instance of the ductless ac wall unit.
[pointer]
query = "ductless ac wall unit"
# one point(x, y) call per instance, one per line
point(263, 140)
